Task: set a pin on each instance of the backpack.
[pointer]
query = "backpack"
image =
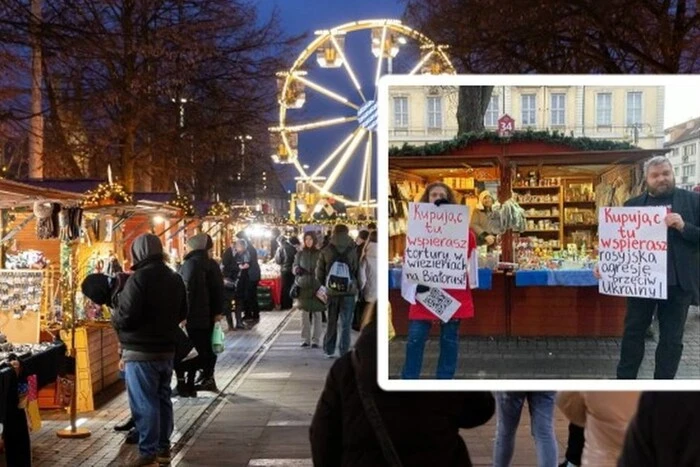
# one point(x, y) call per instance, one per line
point(339, 277)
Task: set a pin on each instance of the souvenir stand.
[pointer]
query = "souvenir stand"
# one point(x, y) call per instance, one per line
point(548, 188)
point(26, 294)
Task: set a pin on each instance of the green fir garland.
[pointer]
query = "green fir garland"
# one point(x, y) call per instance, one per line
point(555, 137)
point(184, 203)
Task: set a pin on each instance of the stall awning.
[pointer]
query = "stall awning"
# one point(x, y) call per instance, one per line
point(557, 158)
point(16, 194)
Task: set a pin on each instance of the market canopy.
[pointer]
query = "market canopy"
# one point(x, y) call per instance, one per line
point(15, 194)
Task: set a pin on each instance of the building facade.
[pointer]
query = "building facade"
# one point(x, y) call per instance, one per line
point(427, 114)
point(684, 142)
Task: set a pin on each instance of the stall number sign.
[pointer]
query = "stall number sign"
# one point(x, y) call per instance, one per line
point(436, 245)
point(439, 302)
point(632, 252)
point(506, 125)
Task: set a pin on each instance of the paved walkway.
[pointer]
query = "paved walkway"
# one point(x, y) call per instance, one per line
point(549, 358)
point(106, 447)
point(264, 417)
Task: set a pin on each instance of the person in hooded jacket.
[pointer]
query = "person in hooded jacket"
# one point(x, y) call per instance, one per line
point(252, 308)
point(422, 427)
point(420, 318)
point(307, 302)
point(341, 305)
point(285, 258)
point(205, 297)
point(146, 316)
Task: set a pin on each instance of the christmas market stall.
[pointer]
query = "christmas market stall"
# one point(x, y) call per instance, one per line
point(547, 189)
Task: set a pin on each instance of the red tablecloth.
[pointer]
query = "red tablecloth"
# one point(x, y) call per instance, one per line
point(276, 286)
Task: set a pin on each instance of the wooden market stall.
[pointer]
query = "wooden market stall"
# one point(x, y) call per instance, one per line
point(544, 285)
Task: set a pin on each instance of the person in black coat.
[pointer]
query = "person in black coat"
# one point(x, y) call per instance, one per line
point(205, 296)
point(146, 316)
point(664, 432)
point(254, 275)
point(683, 269)
point(423, 427)
point(284, 257)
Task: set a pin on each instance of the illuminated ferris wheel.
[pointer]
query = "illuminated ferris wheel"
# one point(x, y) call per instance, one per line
point(387, 37)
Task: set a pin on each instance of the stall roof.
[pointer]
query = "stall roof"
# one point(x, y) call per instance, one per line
point(16, 194)
point(139, 207)
point(555, 158)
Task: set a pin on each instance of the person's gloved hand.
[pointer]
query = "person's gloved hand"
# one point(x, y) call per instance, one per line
point(422, 288)
point(440, 202)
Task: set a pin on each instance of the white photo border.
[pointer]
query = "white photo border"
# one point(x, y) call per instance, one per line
point(383, 241)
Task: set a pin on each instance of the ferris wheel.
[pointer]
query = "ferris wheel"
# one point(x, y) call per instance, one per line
point(358, 111)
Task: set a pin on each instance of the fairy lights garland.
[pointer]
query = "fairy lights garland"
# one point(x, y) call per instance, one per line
point(107, 194)
point(184, 203)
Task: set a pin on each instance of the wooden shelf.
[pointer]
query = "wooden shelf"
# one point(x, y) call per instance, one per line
point(542, 217)
point(580, 202)
point(541, 231)
point(582, 226)
point(536, 187)
point(548, 203)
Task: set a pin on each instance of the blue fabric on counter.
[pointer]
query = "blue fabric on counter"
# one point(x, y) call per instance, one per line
point(485, 278)
point(530, 278)
point(572, 278)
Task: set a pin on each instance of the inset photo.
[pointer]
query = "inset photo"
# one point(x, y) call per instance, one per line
point(539, 229)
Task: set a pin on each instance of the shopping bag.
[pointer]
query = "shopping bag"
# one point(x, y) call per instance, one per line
point(322, 294)
point(217, 338)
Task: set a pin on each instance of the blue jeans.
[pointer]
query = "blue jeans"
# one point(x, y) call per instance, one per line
point(148, 387)
point(415, 344)
point(340, 311)
point(509, 407)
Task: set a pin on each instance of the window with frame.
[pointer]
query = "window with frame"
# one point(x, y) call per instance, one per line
point(528, 109)
point(689, 170)
point(603, 109)
point(401, 112)
point(558, 109)
point(675, 171)
point(689, 150)
point(676, 151)
point(492, 112)
point(634, 108)
point(434, 113)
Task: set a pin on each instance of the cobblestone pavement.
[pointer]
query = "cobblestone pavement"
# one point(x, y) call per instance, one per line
point(106, 447)
point(265, 416)
point(549, 358)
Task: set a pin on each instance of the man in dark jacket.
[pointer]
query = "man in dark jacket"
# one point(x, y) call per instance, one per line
point(341, 304)
point(664, 431)
point(252, 308)
point(423, 426)
point(205, 302)
point(285, 258)
point(683, 275)
point(146, 316)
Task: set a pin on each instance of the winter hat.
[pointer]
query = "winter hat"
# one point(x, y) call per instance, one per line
point(198, 242)
point(483, 195)
point(145, 246)
point(364, 234)
point(96, 287)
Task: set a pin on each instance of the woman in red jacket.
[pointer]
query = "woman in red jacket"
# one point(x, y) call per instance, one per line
point(420, 319)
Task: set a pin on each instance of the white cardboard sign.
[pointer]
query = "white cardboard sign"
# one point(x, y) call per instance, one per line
point(439, 302)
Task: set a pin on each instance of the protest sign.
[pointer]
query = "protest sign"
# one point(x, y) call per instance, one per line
point(632, 250)
point(436, 245)
point(440, 303)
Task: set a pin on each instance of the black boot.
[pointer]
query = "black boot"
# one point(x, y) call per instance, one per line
point(126, 426)
point(208, 385)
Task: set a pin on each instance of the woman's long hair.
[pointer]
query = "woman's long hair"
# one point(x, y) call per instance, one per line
point(314, 239)
point(425, 198)
point(371, 239)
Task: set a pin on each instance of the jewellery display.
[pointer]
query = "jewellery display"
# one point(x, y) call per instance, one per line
point(21, 291)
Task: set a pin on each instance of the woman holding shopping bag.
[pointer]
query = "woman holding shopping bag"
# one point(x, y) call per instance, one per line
point(306, 285)
point(420, 319)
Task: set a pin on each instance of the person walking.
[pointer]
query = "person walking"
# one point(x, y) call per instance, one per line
point(605, 417)
point(509, 407)
point(358, 424)
point(367, 277)
point(337, 269)
point(664, 431)
point(574, 446)
point(146, 316)
point(420, 319)
point(307, 302)
point(683, 276)
point(205, 292)
point(285, 259)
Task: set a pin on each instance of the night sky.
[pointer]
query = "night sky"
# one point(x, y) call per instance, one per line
point(306, 16)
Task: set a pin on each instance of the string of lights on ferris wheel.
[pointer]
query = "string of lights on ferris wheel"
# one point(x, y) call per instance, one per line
point(387, 38)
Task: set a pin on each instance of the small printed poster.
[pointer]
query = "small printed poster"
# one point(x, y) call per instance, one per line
point(632, 248)
point(439, 302)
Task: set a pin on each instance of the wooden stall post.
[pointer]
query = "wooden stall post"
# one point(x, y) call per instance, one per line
point(74, 432)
